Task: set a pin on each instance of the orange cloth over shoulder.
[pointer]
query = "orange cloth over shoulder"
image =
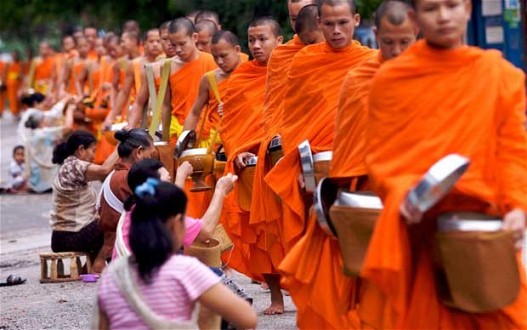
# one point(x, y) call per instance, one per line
point(13, 84)
point(349, 147)
point(266, 209)
point(184, 87)
point(424, 105)
point(184, 84)
point(311, 268)
point(213, 117)
point(43, 74)
point(310, 108)
point(240, 131)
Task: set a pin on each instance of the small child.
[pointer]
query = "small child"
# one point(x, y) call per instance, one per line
point(17, 177)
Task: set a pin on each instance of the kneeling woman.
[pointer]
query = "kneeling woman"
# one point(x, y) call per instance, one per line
point(156, 288)
point(74, 215)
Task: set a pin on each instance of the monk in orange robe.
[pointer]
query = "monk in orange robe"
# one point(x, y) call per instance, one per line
point(413, 122)
point(14, 81)
point(130, 70)
point(68, 52)
point(3, 87)
point(241, 133)
point(226, 52)
point(266, 211)
point(136, 114)
point(41, 70)
point(205, 30)
point(91, 36)
point(187, 69)
point(310, 108)
point(73, 83)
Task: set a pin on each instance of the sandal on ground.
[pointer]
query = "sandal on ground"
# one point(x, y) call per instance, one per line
point(13, 280)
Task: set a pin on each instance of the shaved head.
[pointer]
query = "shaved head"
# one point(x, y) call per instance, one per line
point(307, 27)
point(267, 21)
point(395, 11)
point(293, 7)
point(182, 24)
point(333, 3)
point(228, 36)
point(132, 26)
point(210, 15)
point(206, 25)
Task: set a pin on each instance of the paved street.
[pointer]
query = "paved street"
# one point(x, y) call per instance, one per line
point(25, 232)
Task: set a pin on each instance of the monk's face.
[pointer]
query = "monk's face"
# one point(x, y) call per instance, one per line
point(91, 36)
point(293, 9)
point(99, 47)
point(128, 44)
point(166, 44)
point(262, 41)
point(82, 47)
point(226, 56)
point(442, 22)
point(44, 49)
point(204, 41)
point(184, 44)
point(394, 39)
point(68, 44)
point(115, 50)
point(153, 44)
point(338, 24)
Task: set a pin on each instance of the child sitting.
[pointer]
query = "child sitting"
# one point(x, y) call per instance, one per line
point(155, 287)
point(17, 176)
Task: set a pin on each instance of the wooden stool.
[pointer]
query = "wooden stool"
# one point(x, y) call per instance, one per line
point(57, 266)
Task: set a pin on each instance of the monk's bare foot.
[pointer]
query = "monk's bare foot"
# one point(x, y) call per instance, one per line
point(275, 308)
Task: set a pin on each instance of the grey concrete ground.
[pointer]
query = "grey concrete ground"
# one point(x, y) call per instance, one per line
point(24, 233)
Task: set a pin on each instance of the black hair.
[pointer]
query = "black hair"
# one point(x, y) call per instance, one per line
point(16, 148)
point(139, 172)
point(131, 140)
point(208, 15)
point(68, 148)
point(31, 99)
point(206, 25)
point(306, 20)
point(151, 242)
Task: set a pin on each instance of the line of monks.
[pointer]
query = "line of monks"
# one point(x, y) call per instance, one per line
point(387, 115)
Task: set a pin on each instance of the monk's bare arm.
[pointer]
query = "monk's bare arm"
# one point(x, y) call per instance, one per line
point(166, 112)
point(203, 98)
point(136, 112)
point(122, 96)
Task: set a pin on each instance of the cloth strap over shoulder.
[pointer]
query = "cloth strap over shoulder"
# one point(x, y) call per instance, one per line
point(156, 117)
point(109, 196)
point(122, 276)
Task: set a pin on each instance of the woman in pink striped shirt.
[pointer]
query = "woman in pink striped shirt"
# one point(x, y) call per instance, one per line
point(156, 288)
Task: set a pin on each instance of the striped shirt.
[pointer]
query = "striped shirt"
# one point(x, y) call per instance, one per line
point(172, 294)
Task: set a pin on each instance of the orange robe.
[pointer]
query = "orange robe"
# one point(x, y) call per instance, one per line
point(42, 74)
point(77, 68)
point(349, 147)
point(424, 105)
point(213, 117)
point(241, 131)
point(13, 83)
point(3, 94)
point(310, 109)
point(266, 209)
point(184, 86)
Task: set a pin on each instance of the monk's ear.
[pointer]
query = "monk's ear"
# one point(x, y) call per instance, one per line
point(376, 32)
point(194, 37)
point(468, 8)
point(356, 19)
point(238, 48)
point(280, 39)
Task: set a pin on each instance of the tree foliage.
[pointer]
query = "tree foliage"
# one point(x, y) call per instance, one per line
point(29, 21)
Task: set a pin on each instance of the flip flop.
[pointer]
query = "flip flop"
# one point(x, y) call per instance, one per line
point(13, 280)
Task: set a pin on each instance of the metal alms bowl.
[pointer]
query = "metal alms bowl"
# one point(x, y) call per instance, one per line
point(306, 160)
point(438, 181)
point(186, 140)
point(324, 196)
